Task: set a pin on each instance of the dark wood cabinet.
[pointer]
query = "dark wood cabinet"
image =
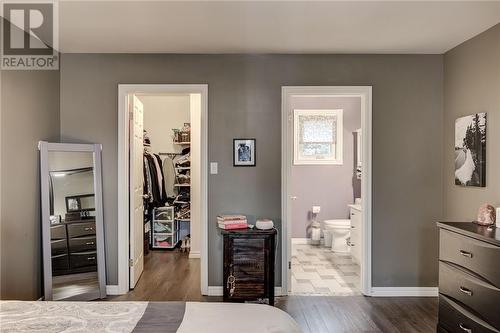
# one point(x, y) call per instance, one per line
point(469, 278)
point(73, 245)
point(249, 258)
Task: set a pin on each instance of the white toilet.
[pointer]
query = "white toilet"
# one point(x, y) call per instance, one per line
point(336, 233)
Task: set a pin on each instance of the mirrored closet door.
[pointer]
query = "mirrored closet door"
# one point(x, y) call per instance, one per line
point(72, 221)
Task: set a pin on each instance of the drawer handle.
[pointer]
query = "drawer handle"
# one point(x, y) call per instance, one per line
point(88, 229)
point(466, 291)
point(466, 254)
point(89, 243)
point(465, 328)
point(90, 258)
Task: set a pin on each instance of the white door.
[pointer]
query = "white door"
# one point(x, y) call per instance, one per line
point(136, 190)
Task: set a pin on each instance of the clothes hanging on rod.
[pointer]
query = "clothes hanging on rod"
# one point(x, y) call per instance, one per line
point(169, 173)
point(155, 180)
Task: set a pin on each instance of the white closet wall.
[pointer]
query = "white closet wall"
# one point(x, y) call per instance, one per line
point(196, 169)
point(161, 114)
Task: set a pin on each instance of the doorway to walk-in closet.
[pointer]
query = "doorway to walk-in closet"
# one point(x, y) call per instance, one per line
point(165, 193)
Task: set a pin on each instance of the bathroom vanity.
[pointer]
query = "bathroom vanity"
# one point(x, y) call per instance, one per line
point(356, 232)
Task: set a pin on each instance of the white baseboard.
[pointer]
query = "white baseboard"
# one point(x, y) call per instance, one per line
point(215, 291)
point(113, 289)
point(219, 291)
point(404, 292)
point(304, 241)
point(194, 255)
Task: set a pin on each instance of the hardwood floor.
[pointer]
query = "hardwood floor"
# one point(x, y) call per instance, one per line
point(317, 314)
point(167, 276)
point(172, 276)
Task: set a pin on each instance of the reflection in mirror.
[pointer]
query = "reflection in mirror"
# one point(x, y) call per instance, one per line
point(73, 229)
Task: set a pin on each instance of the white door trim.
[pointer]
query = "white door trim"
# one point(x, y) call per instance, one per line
point(365, 93)
point(124, 90)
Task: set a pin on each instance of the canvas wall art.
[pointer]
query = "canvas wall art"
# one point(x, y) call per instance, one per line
point(470, 150)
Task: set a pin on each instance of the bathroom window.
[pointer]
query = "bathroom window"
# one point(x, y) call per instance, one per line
point(317, 137)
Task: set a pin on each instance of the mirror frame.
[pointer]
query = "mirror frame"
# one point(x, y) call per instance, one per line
point(44, 148)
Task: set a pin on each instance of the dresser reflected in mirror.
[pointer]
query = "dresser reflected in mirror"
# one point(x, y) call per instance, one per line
point(72, 221)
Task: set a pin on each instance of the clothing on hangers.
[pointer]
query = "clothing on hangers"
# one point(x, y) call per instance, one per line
point(169, 173)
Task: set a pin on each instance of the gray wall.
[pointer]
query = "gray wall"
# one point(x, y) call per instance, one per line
point(472, 85)
point(332, 187)
point(30, 112)
point(244, 101)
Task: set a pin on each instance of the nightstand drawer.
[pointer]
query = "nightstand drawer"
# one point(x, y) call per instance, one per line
point(479, 257)
point(81, 229)
point(456, 319)
point(476, 294)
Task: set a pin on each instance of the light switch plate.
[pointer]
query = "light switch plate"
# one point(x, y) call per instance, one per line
point(214, 168)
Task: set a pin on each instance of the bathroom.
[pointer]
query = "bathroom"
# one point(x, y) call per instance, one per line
point(326, 187)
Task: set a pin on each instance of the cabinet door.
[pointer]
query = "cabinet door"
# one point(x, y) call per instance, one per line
point(245, 259)
point(356, 235)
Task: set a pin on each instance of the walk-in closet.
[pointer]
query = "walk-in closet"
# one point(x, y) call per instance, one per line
point(167, 180)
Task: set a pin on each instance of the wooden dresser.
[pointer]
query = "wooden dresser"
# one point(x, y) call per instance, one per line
point(469, 278)
point(73, 246)
point(249, 257)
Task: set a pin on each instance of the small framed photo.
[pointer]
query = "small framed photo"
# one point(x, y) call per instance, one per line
point(244, 152)
point(73, 204)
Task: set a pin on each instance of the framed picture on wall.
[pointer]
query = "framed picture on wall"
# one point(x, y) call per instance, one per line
point(244, 152)
point(470, 150)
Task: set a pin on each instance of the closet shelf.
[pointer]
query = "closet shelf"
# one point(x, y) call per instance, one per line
point(182, 185)
point(183, 168)
point(183, 220)
point(182, 143)
point(181, 202)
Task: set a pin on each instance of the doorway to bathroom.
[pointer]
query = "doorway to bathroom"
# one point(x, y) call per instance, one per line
point(326, 190)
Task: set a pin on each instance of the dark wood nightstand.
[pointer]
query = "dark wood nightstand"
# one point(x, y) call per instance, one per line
point(249, 256)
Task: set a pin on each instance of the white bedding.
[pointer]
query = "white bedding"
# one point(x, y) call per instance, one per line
point(126, 317)
point(74, 317)
point(236, 317)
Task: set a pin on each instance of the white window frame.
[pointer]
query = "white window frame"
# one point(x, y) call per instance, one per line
point(339, 154)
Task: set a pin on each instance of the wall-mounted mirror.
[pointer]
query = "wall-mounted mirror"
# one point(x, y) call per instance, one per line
point(72, 221)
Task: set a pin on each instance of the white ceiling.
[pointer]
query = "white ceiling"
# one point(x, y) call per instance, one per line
point(271, 27)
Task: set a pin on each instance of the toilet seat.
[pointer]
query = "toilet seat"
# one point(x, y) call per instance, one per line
point(340, 224)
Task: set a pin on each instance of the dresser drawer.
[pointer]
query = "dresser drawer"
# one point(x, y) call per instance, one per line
point(81, 229)
point(59, 246)
point(58, 232)
point(476, 294)
point(82, 244)
point(479, 257)
point(83, 259)
point(60, 263)
point(455, 319)
point(441, 329)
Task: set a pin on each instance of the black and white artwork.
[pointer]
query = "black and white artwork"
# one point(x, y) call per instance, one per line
point(470, 150)
point(73, 204)
point(244, 152)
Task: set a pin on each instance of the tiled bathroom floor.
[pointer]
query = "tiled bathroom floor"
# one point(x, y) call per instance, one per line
point(317, 270)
